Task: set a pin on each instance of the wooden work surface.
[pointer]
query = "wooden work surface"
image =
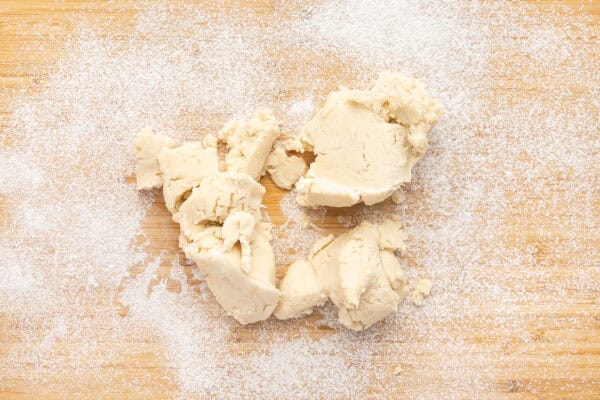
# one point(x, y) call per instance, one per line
point(22, 67)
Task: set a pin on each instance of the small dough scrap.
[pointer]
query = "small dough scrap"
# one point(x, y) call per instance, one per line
point(398, 197)
point(285, 170)
point(147, 147)
point(357, 271)
point(249, 143)
point(366, 142)
point(218, 196)
point(239, 227)
point(422, 290)
point(183, 168)
point(300, 291)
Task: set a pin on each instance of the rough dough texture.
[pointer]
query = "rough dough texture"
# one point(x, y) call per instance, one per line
point(218, 196)
point(422, 290)
point(221, 233)
point(246, 296)
point(182, 169)
point(285, 170)
point(365, 142)
point(249, 143)
point(147, 147)
point(300, 290)
point(239, 228)
point(357, 270)
point(220, 212)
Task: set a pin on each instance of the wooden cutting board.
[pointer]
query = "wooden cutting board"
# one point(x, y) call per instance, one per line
point(23, 67)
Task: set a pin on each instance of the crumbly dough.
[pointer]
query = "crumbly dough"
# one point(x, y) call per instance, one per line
point(183, 168)
point(246, 296)
point(220, 212)
point(365, 142)
point(222, 232)
point(357, 271)
point(249, 143)
point(217, 197)
point(422, 289)
point(147, 147)
point(285, 170)
point(300, 290)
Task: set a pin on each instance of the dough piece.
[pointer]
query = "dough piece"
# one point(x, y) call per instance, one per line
point(357, 271)
point(300, 291)
point(239, 227)
point(218, 196)
point(422, 290)
point(353, 273)
point(250, 143)
point(241, 276)
point(246, 296)
point(398, 196)
point(365, 142)
point(147, 147)
point(183, 168)
point(285, 170)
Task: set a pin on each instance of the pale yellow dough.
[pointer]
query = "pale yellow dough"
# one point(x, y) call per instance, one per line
point(285, 170)
point(249, 143)
point(147, 147)
point(422, 289)
point(357, 271)
point(246, 296)
point(222, 233)
point(300, 290)
point(220, 212)
point(183, 168)
point(365, 142)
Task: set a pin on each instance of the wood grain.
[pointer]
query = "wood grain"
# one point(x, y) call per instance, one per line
point(23, 66)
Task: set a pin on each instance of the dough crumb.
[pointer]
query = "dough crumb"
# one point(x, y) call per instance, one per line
point(399, 196)
point(285, 170)
point(422, 289)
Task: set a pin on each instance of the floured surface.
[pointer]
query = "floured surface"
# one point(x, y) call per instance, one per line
point(502, 215)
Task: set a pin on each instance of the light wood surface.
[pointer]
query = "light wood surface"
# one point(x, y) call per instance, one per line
point(22, 67)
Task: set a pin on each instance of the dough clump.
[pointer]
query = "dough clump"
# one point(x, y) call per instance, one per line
point(285, 170)
point(249, 143)
point(365, 142)
point(219, 212)
point(357, 271)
